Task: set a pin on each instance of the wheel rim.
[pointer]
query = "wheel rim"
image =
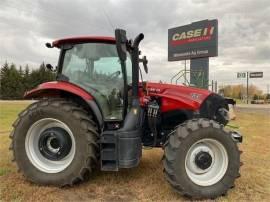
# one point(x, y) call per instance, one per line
point(50, 145)
point(206, 162)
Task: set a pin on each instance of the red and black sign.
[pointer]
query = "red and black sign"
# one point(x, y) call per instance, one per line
point(196, 40)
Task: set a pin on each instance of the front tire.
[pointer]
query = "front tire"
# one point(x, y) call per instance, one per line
point(54, 142)
point(201, 159)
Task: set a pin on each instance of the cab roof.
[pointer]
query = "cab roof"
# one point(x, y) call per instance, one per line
point(83, 39)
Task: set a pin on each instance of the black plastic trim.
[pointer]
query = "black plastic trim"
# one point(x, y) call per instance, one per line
point(93, 105)
point(230, 101)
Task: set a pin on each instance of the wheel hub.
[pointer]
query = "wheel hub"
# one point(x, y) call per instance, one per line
point(54, 143)
point(50, 145)
point(206, 162)
point(203, 160)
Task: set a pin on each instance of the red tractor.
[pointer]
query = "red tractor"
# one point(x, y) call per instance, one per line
point(97, 114)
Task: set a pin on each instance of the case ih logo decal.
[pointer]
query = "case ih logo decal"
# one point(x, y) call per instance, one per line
point(198, 39)
point(192, 36)
point(154, 90)
point(195, 96)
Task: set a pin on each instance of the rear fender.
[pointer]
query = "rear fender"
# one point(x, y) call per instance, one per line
point(70, 91)
point(50, 88)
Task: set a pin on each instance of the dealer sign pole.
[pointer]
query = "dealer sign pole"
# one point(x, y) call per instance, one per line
point(247, 87)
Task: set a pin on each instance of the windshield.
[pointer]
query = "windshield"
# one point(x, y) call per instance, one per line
point(96, 68)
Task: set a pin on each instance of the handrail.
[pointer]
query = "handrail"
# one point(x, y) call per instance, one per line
point(179, 77)
point(183, 75)
point(176, 75)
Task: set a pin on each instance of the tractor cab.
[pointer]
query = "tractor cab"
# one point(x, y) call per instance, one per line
point(94, 65)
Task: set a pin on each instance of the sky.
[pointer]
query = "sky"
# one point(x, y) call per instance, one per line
point(244, 31)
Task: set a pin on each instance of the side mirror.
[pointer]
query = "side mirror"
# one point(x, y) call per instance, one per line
point(145, 62)
point(121, 44)
point(48, 45)
point(50, 67)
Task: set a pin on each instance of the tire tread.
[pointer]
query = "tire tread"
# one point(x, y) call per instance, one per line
point(87, 123)
point(169, 157)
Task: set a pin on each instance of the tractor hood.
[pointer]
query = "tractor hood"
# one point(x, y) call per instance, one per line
point(178, 96)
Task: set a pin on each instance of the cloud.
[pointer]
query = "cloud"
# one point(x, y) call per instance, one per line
point(244, 30)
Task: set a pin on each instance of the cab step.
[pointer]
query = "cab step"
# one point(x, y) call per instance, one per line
point(120, 149)
point(108, 151)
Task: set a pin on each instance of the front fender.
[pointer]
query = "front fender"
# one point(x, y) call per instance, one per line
point(210, 108)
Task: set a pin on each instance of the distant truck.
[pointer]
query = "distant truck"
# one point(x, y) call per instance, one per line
point(260, 101)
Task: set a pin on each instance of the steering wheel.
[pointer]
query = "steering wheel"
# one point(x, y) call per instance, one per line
point(114, 75)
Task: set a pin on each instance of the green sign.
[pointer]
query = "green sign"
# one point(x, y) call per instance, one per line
point(199, 72)
point(241, 75)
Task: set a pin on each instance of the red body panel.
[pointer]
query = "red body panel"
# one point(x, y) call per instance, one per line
point(175, 97)
point(83, 39)
point(51, 88)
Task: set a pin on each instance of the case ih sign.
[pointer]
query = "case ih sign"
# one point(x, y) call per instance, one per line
point(196, 40)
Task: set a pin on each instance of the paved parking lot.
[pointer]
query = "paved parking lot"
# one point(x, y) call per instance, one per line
point(256, 108)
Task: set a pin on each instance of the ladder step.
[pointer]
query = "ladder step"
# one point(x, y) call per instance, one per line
point(109, 166)
point(108, 139)
point(108, 154)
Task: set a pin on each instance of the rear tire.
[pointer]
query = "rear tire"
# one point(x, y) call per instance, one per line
point(201, 159)
point(54, 142)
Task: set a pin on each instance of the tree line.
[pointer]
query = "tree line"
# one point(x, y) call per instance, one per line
point(14, 82)
point(240, 92)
